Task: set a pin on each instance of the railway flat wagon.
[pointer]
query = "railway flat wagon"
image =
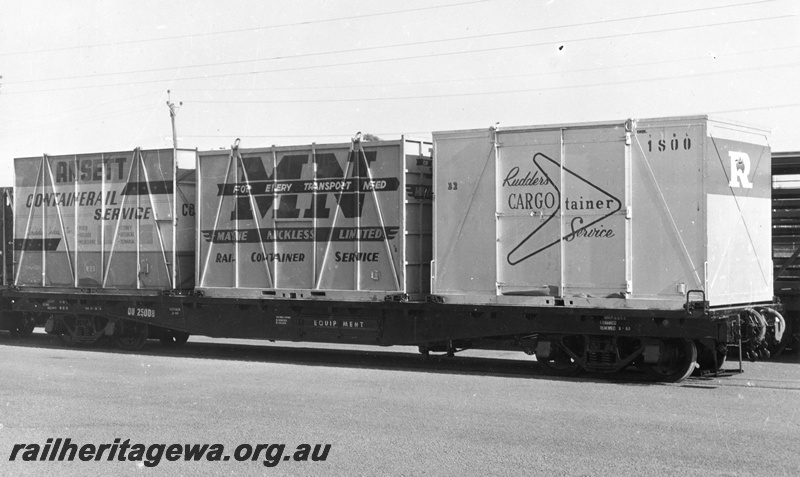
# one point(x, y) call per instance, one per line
point(594, 246)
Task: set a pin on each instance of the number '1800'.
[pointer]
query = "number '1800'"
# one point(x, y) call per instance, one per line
point(673, 144)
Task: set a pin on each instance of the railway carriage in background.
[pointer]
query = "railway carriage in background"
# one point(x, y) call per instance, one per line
point(594, 246)
point(786, 243)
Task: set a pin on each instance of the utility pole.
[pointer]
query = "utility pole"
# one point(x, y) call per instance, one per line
point(172, 113)
point(175, 194)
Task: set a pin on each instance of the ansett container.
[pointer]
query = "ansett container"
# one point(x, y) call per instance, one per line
point(107, 221)
point(337, 221)
point(635, 213)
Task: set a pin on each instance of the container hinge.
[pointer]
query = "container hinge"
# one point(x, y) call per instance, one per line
point(628, 286)
point(630, 125)
point(628, 212)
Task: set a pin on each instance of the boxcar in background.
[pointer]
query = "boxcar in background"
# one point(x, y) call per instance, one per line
point(786, 242)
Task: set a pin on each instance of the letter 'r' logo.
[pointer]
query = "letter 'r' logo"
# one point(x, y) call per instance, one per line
point(740, 169)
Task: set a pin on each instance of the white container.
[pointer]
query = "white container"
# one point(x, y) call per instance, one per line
point(331, 222)
point(107, 221)
point(611, 215)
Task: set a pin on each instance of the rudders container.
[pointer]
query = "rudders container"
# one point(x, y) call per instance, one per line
point(646, 213)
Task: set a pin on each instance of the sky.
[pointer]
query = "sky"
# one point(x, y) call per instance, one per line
point(92, 76)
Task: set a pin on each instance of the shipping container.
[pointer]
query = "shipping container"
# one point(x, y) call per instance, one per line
point(643, 213)
point(336, 221)
point(106, 222)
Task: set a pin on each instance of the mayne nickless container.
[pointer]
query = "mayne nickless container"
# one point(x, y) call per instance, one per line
point(332, 222)
point(643, 213)
point(107, 222)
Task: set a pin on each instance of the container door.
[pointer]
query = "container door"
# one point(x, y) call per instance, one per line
point(360, 234)
point(464, 240)
point(43, 232)
point(528, 213)
point(667, 195)
point(739, 215)
point(150, 190)
point(593, 212)
point(561, 212)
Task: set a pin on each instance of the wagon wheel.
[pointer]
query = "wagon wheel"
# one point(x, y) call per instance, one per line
point(561, 363)
point(705, 359)
point(425, 352)
point(66, 338)
point(23, 327)
point(66, 333)
point(564, 367)
point(173, 338)
point(677, 362)
point(133, 337)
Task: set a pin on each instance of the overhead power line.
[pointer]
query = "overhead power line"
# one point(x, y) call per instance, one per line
point(416, 43)
point(450, 81)
point(66, 124)
point(410, 57)
point(128, 111)
point(488, 78)
point(244, 30)
point(398, 133)
point(741, 110)
point(496, 92)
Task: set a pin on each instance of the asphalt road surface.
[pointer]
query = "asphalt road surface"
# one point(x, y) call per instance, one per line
point(383, 412)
